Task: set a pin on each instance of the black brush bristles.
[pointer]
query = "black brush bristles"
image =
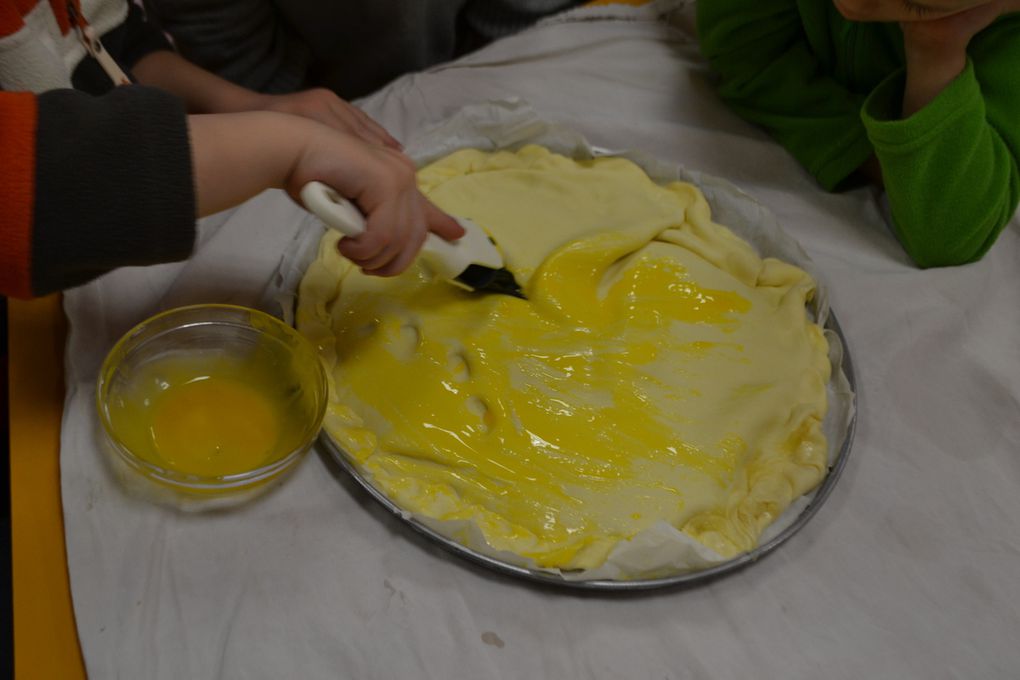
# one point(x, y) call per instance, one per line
point(488, 280)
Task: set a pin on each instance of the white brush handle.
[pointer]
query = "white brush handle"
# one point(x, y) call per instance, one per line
point(444, 258)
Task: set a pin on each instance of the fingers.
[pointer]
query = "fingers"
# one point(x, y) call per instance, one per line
point(382, 182)
point(349, 118)
point(378, 130)
point(439, 223)
point(380, 243)
point(326, 107)
point(394, 234)
point(404, 258)
point(346, 118)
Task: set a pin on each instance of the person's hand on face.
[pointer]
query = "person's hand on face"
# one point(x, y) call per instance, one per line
point(955, 30)
point(935, 37)
point(904, 10)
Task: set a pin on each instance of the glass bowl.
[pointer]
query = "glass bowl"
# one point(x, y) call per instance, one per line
point(211, 400)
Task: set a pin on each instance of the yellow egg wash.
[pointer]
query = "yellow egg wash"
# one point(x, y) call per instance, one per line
point(659, 371)
point(210, 416)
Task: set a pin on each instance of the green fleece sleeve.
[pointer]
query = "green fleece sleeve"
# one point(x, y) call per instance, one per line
point(950, 170)
point(771, 76)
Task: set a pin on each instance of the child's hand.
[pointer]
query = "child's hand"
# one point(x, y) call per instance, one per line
point(382, 182)
point(325, 107)
point(936, 49)
point(953, 32)
point(236, 156)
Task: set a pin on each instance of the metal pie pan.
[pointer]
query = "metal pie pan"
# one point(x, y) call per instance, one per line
point(685, 578)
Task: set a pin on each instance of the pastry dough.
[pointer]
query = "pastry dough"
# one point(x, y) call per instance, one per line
point(660, 370)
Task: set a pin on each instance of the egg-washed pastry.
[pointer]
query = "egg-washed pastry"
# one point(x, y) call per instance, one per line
point(659, 370)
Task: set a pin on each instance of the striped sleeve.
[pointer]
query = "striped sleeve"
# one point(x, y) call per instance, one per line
point(89, 184)
point(18, 116)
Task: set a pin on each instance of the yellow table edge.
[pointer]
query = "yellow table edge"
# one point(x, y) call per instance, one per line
point(45, 635)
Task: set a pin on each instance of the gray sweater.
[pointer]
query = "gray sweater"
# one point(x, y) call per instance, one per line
point(352, 48)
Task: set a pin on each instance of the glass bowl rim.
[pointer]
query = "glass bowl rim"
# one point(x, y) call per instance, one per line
point(190, 481)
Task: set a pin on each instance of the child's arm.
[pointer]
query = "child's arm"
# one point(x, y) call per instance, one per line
point(944, 133)
point(947, 135)
point(89, 184)
point(205, 92)
point(238, 155)
point(770, 75)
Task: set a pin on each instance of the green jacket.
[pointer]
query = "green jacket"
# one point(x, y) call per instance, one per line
point(830, 91)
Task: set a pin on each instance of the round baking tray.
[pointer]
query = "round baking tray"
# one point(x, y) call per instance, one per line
point(681, 578)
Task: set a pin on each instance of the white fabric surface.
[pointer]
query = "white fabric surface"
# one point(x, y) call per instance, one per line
point(908, 571)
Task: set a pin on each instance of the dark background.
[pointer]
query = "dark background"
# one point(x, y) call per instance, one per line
point(6, 611)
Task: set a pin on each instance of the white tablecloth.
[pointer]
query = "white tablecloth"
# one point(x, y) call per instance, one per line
point(910, 570)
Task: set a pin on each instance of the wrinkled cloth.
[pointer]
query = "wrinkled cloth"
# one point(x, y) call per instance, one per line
point(908, 569)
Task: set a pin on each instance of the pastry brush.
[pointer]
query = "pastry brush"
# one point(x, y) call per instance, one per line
point(472, 262)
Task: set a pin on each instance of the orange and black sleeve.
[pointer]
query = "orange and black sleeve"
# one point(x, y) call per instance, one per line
point(89, 184)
